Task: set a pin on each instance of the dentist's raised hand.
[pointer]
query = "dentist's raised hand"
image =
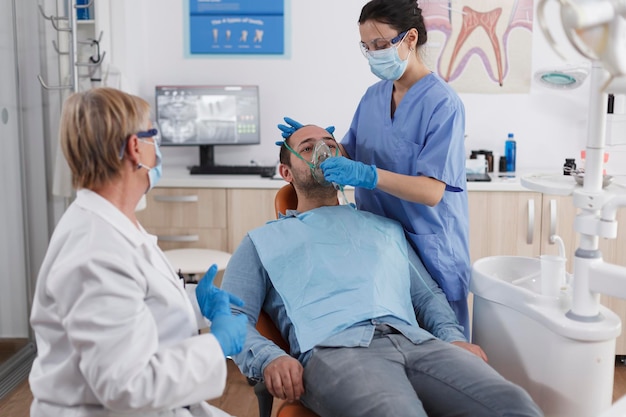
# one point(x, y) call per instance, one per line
point(208, 296)
point(345, 171)
point(229, 330)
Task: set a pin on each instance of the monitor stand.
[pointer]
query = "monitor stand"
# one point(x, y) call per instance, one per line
point(207, 166)
point(207, 160)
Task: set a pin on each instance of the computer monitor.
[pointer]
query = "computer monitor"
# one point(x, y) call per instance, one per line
point(208, 115)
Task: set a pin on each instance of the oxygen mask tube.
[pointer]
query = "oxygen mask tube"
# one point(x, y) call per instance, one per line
point(322, 152)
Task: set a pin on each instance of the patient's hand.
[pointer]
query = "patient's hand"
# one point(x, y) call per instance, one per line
point(475, 349)
point(283, 378)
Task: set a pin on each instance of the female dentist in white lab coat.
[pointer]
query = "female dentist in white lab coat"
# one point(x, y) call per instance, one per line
point(116, 332)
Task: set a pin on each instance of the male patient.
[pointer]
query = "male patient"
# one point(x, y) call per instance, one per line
point(371, 333)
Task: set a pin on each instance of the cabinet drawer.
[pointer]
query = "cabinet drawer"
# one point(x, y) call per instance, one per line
point(184, 207)
point(182, 238)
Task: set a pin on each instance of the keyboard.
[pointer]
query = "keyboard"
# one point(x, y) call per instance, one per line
point(264, 171)
point(478, 177)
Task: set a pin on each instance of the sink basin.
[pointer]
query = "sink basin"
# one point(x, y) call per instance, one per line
point(514, 282)
point(490, 276)
point(566, 365)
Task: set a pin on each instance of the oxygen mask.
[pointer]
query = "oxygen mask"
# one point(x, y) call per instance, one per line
point(321, 152)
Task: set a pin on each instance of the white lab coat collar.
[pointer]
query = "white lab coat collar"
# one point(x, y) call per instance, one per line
point(94, 202)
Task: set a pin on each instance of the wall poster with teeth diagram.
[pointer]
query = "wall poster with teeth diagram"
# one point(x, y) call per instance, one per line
point(480, 46)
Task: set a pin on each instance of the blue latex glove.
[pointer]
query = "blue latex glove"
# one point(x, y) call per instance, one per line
point(345, 171)
point(292, 126)
point(209, 296)
point(229, 330)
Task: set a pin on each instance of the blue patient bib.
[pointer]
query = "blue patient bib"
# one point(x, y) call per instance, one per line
point(334, 267)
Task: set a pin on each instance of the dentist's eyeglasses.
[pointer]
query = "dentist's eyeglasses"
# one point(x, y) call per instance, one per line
point(380, 43)
point(152, 133)
point(143, 135)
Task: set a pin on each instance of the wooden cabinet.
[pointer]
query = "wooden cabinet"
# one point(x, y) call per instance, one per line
point(247, 210)
point(558, 214)
point(520, 224)
point(504, 223)
point(187, 217)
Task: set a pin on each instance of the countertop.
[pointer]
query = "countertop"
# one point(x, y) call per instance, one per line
point(175, 177)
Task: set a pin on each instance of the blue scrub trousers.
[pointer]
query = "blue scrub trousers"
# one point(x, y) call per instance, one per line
point(394, 377)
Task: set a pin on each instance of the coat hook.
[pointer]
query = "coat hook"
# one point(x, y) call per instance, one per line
point(59, 29)
point(93, 62)
point(56, 48)
point(43, 13)
point(53, 87)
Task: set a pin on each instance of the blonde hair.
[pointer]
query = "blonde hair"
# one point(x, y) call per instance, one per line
point(95, 125)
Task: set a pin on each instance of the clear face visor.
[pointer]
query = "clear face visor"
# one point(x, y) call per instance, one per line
point(321, 152)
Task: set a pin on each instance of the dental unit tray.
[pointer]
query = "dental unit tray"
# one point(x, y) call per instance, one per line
point(564, 185)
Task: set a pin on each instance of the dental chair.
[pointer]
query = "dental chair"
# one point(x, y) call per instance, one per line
point(285, 199)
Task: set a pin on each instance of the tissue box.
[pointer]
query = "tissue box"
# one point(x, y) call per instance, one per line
point(476, 170)
point(475, 166)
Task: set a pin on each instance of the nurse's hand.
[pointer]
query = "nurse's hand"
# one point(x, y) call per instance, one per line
point(344, 171)
point(283, 378)
point(209, 299)
point(291, 126)
point(230, 331)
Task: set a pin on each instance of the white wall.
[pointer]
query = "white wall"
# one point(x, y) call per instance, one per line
point(322, 77)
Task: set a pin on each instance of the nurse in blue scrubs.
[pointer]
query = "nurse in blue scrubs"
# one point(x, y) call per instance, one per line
point(405, 147)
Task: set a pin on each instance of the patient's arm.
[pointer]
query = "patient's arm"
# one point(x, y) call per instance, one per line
point(246, 278)
point(283, 378)
point(432, 310)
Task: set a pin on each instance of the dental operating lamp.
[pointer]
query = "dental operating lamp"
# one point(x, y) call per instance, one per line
point(597, 30)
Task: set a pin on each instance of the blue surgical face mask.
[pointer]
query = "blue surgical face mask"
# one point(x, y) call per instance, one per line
point(154, 173)
point(386, 64)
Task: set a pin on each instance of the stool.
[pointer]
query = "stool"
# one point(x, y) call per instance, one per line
point(194, 261)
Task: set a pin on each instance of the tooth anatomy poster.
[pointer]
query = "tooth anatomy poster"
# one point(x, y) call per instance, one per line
point(236, 27)
point(480, 46)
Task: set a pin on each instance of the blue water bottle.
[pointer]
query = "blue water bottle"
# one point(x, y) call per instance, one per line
point(509, 152)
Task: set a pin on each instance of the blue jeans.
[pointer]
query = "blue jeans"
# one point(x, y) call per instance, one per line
point(396, 378)
point(461, 310)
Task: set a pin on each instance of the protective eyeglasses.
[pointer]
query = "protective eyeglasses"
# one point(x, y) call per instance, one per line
point(152, 133)
point(379, 44)
point(142, 136)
